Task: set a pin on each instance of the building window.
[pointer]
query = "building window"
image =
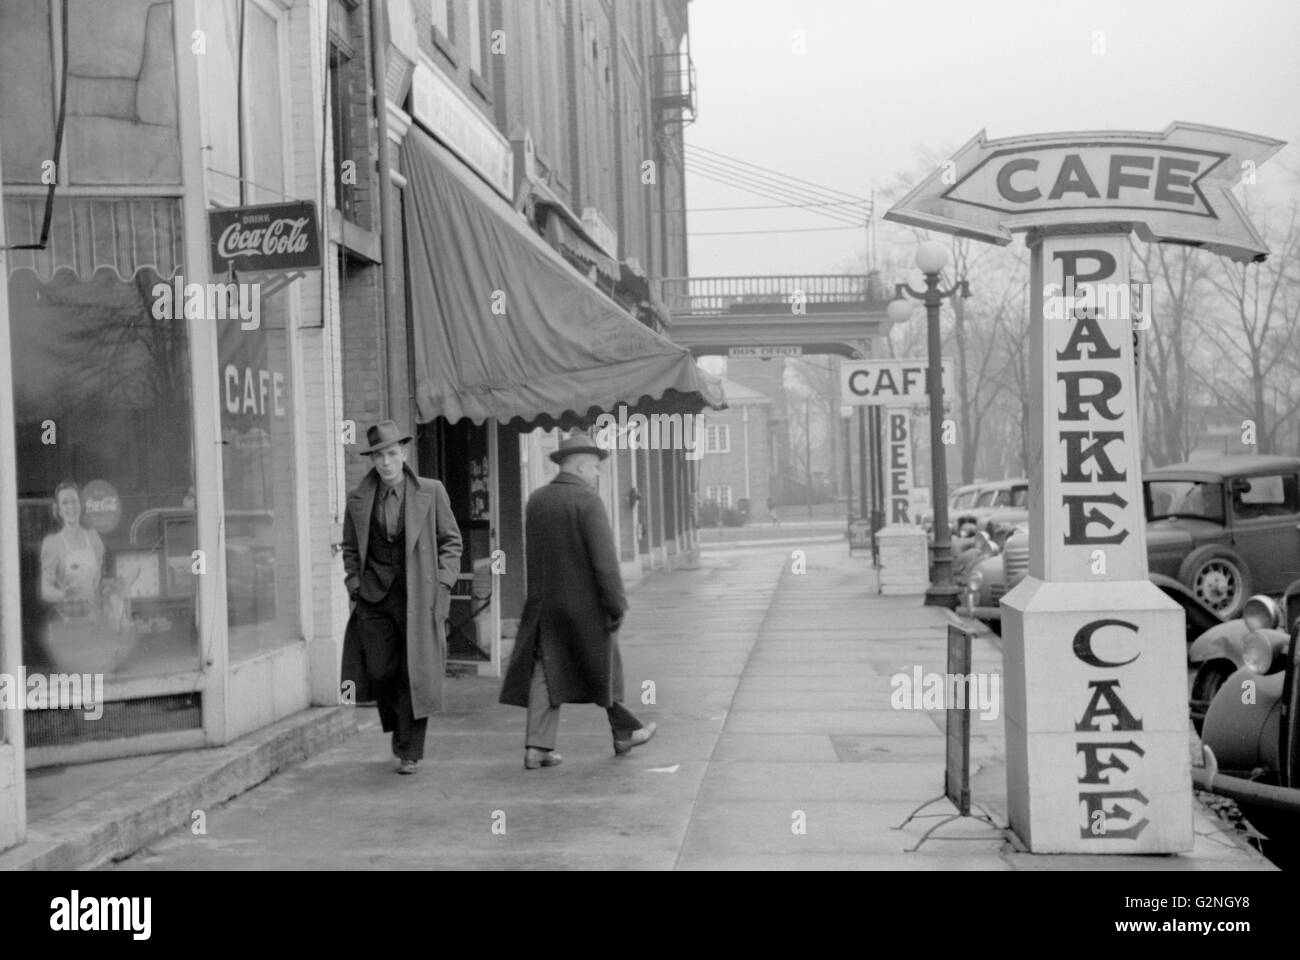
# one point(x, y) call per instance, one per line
point(717, 438)
point(347, 71)
point(122, 113)
point(442, 17)
point(106, 485)
point(345, 163)
point(474, 33)
point(255, 148)
point(721, 495)
point(255, 370)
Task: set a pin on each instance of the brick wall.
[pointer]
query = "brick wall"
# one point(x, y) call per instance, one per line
point(718, 469)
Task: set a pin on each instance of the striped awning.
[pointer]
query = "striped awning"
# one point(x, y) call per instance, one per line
point(87, 234)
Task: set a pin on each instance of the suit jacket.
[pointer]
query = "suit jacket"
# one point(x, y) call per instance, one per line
point(433, 548)
point(575, 599)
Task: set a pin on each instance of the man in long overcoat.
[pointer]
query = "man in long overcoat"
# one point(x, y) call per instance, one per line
point(566, 650)
point(401, 556)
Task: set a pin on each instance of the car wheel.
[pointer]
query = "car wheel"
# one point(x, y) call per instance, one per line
point(1219, 578)
point(1209, 678)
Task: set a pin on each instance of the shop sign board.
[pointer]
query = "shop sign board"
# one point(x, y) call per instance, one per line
point(1096, 708)
point(898, 465)
point(763, 353)
point(889, 382)
point(1171, 186)
point(267, 238)
point(447, 113)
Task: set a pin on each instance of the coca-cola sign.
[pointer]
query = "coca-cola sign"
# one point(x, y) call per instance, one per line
point(271, 236)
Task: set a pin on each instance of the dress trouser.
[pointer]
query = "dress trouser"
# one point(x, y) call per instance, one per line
point(544, 719)
point(382, 631)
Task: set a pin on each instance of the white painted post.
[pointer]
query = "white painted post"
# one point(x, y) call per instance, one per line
point(13, 789)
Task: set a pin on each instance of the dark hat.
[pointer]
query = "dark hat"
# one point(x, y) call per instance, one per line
point(382, 435)
point(577, 443)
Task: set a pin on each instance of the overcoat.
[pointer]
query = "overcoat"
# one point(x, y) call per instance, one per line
point(433, 549)
point(575, 599)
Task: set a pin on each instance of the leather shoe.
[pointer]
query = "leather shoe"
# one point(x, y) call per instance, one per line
point(534, 758)
point(638, 737)
point(407, 766)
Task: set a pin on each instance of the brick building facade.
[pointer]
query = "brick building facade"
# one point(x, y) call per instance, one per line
point(215, 460)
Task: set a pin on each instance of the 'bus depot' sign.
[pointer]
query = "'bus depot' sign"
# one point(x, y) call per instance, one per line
point(1095, 674)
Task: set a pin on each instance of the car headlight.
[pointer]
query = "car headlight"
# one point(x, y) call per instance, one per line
point(1262, 613)
point(1256, 653)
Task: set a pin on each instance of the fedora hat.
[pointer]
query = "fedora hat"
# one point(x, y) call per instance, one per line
point(382, 435)
point(577, 443)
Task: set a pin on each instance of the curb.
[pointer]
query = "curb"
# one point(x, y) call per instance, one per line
point(128, 816)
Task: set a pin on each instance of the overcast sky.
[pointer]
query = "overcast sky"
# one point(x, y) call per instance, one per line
point(877, 81)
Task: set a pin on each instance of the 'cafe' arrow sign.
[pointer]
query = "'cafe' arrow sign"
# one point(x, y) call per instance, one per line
point(1171, 187)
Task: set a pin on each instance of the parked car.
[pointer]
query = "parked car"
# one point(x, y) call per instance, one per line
point(1251, 733)
point(998, 572)
point(1256, 642)
point(1001, 504)
point(960, 501)
point(1222, 528)
point(1226, 528)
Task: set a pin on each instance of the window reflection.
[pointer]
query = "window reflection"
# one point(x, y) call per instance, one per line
point(103, 423)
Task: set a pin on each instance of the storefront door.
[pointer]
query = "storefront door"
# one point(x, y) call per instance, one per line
point(464, 457)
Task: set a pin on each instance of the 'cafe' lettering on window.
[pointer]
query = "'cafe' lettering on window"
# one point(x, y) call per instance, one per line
point(249, 391)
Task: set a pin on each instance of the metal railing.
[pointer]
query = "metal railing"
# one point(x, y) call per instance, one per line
point(686, 296)
point(674, 83)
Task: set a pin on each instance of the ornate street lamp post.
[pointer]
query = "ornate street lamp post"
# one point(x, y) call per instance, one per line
point(931, 258)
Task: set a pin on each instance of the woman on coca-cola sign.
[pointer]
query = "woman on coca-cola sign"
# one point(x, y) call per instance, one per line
point(72, 559)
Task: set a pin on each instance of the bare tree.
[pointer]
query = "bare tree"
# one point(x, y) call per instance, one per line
point(1253, 374)
point(1178, 278)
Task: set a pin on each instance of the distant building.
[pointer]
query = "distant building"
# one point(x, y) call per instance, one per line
point(767, 377)
point(736, 462)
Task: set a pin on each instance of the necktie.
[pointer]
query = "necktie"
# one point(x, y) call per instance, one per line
point(390, 511)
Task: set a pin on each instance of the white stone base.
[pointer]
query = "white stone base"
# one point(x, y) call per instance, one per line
point(1058, 703)
point(904, 559)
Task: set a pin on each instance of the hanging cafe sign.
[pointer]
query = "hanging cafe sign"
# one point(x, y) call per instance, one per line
point(1096, 708)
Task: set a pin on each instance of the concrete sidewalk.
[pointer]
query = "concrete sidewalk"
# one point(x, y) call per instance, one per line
point(772, 691)
point(84, 815)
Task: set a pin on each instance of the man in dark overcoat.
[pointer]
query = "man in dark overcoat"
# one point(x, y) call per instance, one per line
point(566, 650)
point(401, 556)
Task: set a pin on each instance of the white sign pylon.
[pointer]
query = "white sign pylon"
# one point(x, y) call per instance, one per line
point(1093, 652)
point(1095, 663)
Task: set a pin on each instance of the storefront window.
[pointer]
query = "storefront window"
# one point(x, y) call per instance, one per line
point(262, 140)
point(259, 482)
point(122, 123)
point(105, 476)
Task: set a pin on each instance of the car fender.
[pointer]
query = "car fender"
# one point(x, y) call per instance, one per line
point(1221, 642)
point(1245, 734)
point(1200, 618)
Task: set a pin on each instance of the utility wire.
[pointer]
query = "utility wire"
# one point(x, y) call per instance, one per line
point(775, 206)
point(722, 157)
point(785, 189)
point(731, 178)
point(766, 190)
point(732, 233)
